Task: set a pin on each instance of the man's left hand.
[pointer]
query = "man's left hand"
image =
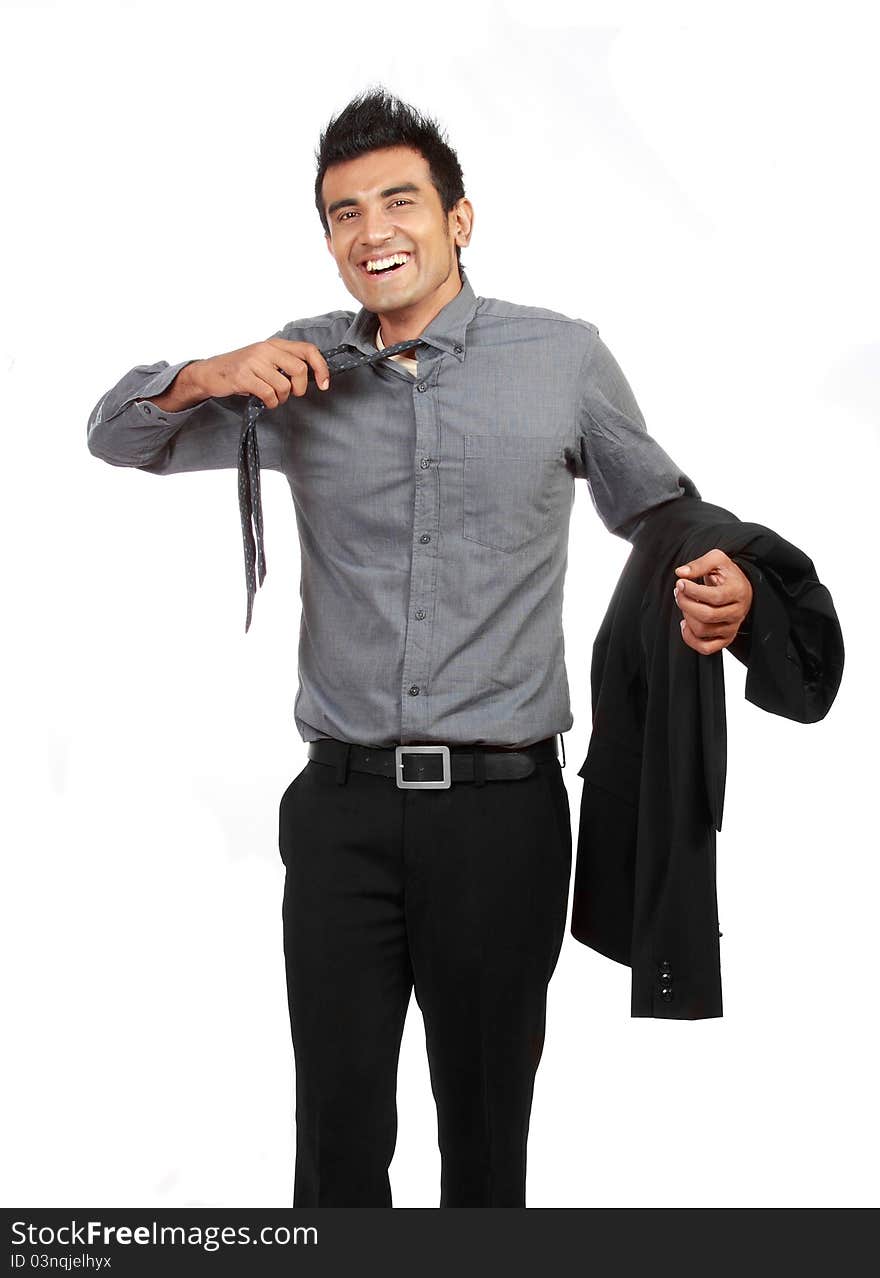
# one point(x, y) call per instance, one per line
point(713, 613)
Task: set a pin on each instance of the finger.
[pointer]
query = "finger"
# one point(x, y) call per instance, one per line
point(281, 380)
point(709, 562)
point(710, 615)
point(722, 593)
point(318, 364)
point(308, 352)
point(711, 634)
point(703, 646)
point(270, 386)
point(299, 376)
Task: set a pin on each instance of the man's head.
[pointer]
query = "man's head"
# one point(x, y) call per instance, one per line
point(388, 183)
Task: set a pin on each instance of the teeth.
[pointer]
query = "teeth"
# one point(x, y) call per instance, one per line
point(383, 262)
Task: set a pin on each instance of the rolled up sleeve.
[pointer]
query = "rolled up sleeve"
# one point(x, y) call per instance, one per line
point(626, 470)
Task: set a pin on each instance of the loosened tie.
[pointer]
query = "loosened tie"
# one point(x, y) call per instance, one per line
point(249, 501)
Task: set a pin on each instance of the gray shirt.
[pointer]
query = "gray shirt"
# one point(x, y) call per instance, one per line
point(433, 511)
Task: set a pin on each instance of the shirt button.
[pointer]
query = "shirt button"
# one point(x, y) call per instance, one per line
point(425, 537)
point(414, 690)
point(458, 349)
point(425, 463)
point(422, 386)
point(420, 614)
point(147, 408)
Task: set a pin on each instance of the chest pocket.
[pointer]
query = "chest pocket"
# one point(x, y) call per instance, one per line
point(511, 485)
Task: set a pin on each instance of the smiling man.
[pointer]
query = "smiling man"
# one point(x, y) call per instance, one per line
point(427, 842)
point(395, 247)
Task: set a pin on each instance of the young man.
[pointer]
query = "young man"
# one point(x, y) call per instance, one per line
point(432, 491)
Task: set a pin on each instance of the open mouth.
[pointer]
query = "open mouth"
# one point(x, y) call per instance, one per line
point(385, 267)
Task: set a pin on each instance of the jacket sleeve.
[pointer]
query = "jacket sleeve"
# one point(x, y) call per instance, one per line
point(125, 430)
point(791, 641)
point(626, 470)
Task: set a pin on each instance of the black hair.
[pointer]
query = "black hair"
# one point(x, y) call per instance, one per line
point(375, 119)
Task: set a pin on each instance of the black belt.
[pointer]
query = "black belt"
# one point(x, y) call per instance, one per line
point(433, 767)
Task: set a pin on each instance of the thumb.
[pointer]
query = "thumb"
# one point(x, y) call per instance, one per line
point(698, 567)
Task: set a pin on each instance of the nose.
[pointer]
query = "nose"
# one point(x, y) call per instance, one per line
point(375, 227)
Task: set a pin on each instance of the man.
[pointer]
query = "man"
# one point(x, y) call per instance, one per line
point(432, 490)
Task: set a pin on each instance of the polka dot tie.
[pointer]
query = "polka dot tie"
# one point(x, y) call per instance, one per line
point(340, 359)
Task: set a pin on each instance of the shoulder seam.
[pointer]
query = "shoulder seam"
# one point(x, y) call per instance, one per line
point(558, 319)
point(320, 321)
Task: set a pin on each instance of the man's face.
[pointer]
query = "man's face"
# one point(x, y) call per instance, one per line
point(370, 218)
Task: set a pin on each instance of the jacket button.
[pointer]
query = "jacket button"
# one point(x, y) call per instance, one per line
point(666, 966)
point(666, 995)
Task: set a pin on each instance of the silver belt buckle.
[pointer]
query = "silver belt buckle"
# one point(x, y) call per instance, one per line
point(443, 751)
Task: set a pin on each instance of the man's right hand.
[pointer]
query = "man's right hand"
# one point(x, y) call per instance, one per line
point(271, 370)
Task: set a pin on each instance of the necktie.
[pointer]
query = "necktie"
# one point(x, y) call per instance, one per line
point(249, 501)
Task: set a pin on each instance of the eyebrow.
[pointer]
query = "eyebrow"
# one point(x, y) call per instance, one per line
point(389, 190)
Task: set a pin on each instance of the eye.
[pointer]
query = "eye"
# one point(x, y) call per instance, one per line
point(343, 217)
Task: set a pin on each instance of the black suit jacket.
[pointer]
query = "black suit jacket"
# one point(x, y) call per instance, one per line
point(654, 775)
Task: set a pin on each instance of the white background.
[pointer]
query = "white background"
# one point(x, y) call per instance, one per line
point(704, 189)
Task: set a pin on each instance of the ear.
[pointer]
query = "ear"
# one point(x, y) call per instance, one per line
point(329, 244)
point(463, 221)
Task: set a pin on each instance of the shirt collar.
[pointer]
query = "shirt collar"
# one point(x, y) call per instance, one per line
point(446, 332)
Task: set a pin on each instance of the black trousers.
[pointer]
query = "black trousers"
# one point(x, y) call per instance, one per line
point(459, 893)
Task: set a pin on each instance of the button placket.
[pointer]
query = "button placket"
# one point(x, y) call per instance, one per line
point(423, 554)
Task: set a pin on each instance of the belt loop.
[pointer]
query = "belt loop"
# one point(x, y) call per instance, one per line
point(342, 765)
point(479, 767)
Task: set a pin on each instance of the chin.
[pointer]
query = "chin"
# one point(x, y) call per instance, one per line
point(400, 302)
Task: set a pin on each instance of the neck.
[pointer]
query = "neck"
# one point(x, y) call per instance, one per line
point(410, 322)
